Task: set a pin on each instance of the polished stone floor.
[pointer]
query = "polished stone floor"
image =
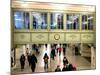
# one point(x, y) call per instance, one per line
point(80, 62)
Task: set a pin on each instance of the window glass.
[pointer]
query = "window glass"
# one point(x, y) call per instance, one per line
point(39, 20)
point(21, 20)
point(90, 22)
point(72, 21)
point(84, 22)
point(56, 21)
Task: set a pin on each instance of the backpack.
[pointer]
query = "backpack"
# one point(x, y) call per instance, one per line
point(46, 59)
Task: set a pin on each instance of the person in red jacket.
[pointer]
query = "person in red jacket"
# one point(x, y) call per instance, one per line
point(59, 49)
point(74, 68)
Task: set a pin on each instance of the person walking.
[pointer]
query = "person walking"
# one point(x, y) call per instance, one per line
point(59, 49)
point(33, 62)
point(64, 49)
point(37, 50)
point(45, 45)
point(46, 57)
point(29, 58)
point(65, 61)
point(53, 53)
point(22, 61)
point(33, 46)
point(76, 50)
point(27, 51)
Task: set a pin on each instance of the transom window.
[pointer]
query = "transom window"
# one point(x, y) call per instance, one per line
point(87, 22)
point(56, 21)
point(84, 22)
point(90, 22)
point(39, 20)
point(72, 22)
point(21, 20)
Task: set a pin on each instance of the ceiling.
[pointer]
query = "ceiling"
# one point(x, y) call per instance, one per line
point(42, 4)
point(86, 2)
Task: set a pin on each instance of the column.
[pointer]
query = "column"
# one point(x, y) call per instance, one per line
point(93, 58)
point(56, 20)
point(31, 25)
point(80, 22)
point(48, 21)
point(64, 22)
point(87, 22)
point(12, 30)
point(31, 20)
point(81, 48)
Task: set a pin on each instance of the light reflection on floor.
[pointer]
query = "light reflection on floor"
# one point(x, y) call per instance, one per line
point(45, 50)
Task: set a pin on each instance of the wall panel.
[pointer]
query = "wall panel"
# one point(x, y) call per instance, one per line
point(21, 37)
point(39, 37)
point(73, 37)
point(87, 37)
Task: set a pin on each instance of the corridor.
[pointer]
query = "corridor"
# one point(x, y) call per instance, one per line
point(78, 61)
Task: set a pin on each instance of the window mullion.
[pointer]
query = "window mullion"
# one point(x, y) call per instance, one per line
point(72, 22)
point(31, 21)
point(87, 22)
point(64, 21)
point(57, 22)
point(48, 21)
point(80, 22)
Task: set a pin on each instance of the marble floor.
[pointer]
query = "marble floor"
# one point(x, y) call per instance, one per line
point(80, 62)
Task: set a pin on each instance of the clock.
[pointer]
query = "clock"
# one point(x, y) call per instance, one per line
point(56, 36)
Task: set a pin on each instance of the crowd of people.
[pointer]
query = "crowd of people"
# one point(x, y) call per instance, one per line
point(55, 49)
point(31, 57)
point(66, 66)
point(32, 60)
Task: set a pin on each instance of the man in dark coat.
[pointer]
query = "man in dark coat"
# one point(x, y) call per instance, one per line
point(22, 61)
point(53, 53)
point(29, 59)
point(64, 49)
point(33, 62)
point(65, 61)
point(76, 50)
